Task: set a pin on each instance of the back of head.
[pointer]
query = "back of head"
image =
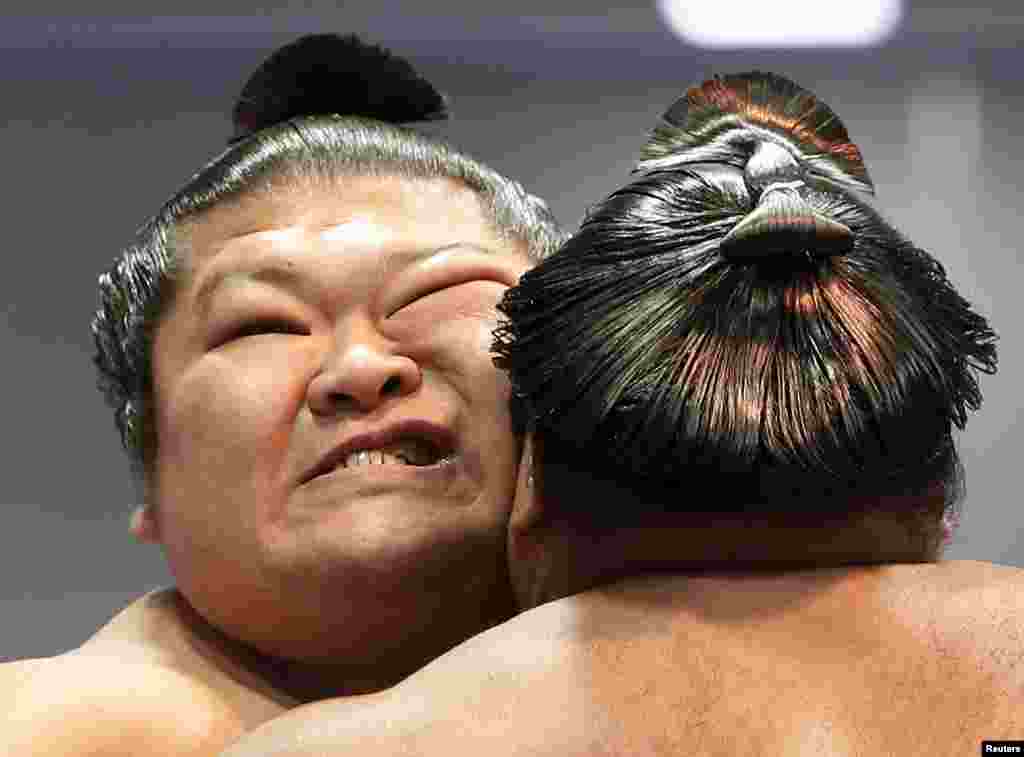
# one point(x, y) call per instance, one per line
point(737, 331)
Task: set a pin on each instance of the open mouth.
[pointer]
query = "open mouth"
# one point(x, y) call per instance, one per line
point(418, 450)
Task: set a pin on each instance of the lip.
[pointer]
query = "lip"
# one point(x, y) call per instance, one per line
point(439, 436)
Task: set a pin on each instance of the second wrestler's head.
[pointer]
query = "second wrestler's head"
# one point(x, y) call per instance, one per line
point(736, 334)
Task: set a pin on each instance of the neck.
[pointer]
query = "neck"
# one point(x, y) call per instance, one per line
point(560, 557)
point(285, 682)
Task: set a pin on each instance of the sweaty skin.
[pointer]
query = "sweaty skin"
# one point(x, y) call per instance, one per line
point(308, 318)
point(895, 659)
point(892, 660)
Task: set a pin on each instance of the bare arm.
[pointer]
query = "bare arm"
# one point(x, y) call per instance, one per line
point(94, 705)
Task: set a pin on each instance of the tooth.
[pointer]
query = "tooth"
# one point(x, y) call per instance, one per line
point(376, 457)
point(408, 451)
point(412, 452)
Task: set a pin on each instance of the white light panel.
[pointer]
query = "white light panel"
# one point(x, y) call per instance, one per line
point(781, 23)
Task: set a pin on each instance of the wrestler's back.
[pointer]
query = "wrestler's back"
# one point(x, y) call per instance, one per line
point(895, 660)
point(136, 683)
point(910, 659)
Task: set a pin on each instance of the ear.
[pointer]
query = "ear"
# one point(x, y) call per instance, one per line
point(531, 557)
point(144, 524)
point(527, 504)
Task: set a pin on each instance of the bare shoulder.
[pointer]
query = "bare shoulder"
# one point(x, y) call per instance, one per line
point(84, 703)
point(974, 608)
point(463, 703)
point(661, 662)
point(967, 574)
point(14, 674)
point(109, 697)
point(985, 597)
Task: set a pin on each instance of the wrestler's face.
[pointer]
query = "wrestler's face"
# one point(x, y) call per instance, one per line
point(335, 465)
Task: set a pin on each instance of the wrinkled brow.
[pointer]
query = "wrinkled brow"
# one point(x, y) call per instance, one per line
point(280, 275)
point(286, 275)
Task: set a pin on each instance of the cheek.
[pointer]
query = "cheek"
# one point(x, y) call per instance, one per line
point(467, 343)
point(459, 327)
point(486, 390)
point(226, 413)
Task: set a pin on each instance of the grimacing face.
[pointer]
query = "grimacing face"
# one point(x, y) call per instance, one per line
point(335, 464)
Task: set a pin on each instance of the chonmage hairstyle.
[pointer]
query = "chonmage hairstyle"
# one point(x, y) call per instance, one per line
point(738, 321)
point(320, 109)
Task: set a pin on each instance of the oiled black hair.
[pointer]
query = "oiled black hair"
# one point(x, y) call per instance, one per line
point(319, 110)
point(737, 330)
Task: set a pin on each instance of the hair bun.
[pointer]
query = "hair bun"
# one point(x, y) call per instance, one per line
point(725, 119)
point(319, 74)
point(784, 222)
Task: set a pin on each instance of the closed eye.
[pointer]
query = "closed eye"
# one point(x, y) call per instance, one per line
point(446, 273)
point(455, 292)
point(421, 295)
point(260, 327)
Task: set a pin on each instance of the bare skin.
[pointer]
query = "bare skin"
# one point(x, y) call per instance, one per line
point(879, 660)
point(313, 323)
point(894, 660)
point(155, 678)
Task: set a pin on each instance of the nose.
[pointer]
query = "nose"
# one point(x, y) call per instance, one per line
point(361, 374)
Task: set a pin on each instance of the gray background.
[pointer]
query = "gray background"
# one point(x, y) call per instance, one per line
point(105, 115)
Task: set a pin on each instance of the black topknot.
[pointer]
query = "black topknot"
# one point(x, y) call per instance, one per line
point(320, 74)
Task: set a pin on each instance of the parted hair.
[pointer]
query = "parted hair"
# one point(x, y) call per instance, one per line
point(320, 109)
point(738, 330)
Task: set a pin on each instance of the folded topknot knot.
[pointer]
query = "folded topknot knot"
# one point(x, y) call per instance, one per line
point(784, 222)
point(783, 225)
point(321, 74)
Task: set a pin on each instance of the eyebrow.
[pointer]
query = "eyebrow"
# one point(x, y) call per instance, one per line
point(290, 277)
point(277, 274)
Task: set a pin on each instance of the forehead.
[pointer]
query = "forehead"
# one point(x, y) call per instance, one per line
point(380, 215)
